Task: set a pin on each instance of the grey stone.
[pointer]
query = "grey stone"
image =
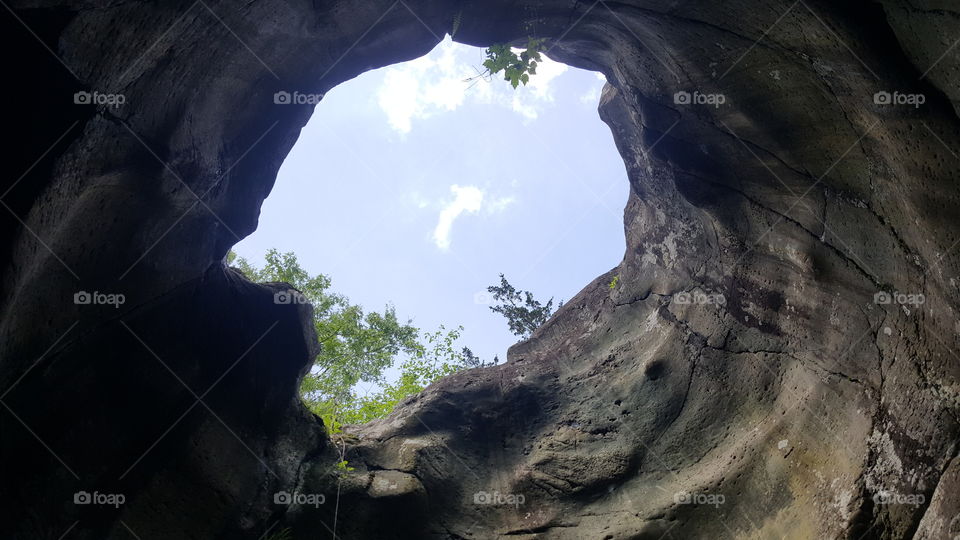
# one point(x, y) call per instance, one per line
point(650, 410)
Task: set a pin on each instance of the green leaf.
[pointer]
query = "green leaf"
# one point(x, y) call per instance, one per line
point(516, 68)
point(524, 314)
point(358, 346)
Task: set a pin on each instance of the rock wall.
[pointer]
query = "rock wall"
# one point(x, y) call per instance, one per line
point(778, 358)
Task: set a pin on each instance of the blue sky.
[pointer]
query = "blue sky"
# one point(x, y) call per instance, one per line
point(412, 187)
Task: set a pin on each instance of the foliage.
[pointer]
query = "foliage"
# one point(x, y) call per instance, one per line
point(471, 360)
point(524, 314)
point(434, 359)
point(357, 347)
point(614, 281)
point(516, 68)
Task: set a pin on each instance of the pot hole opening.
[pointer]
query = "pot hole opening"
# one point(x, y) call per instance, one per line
point(414, 188)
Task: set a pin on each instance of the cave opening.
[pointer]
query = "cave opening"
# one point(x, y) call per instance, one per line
point(792, 159)
point(414, 186)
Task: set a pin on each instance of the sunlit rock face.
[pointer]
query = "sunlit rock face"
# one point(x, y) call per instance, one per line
point(776, 359)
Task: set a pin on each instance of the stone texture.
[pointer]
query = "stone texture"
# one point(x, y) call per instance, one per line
point(795, 407)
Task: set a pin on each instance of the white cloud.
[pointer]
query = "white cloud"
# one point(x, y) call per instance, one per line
point(466, 199)
point(529, 100)
point(524, 108)
point(499, 205)
point(398, 98)
point(547, 71)
point(423, 87)
point(592, 96)
point(435, 83)
point(416, 199)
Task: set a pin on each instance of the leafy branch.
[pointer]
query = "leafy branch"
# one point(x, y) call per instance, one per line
point(523, 312)
point(357, 347)
point(516, 68)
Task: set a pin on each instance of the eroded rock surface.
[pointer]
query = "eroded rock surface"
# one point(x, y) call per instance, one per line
point(742, 379)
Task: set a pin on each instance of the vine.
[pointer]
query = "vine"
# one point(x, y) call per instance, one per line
point(516, 68)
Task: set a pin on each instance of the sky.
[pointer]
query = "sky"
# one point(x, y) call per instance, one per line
point(412, 187)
